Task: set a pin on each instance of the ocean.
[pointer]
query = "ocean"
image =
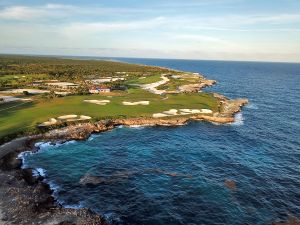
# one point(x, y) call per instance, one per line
point(247, 172)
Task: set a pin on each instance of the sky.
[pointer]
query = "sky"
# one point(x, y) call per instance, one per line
point(250, 30)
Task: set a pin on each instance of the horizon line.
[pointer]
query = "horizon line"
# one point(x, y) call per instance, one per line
point(155, 58)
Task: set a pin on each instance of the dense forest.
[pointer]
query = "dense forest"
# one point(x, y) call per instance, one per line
point(61, 67)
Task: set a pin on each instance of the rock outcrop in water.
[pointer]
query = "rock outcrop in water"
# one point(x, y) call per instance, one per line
point(189, 88)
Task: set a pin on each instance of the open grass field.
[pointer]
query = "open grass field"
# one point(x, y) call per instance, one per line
point(145, 80)
point(23, 71)
point(19, 117)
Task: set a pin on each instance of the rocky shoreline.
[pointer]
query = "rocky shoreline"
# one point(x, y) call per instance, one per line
point(26, 199)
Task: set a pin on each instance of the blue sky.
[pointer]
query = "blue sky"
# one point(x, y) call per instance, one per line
point(261, 30)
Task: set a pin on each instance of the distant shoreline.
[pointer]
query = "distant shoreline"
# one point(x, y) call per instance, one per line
point(110, 58)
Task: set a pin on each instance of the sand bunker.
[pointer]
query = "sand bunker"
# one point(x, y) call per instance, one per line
point(152, 87)
point(34, 91)
point(82, 117)
point(50, 122)
point(159, 115)
point(98, 102)
point(136, 103)
point(190, 111)
point(13, 99)
point(180, 112)
point(194, 111)
point(65, 118)
point(20, 91)
point(172, 112)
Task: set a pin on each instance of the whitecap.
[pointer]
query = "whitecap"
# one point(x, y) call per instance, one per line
point(137, 127)
point(217, 124)
point(92, 137)
point(39, 172)
point(42, 145)
point(22, 156)
point(238, 119)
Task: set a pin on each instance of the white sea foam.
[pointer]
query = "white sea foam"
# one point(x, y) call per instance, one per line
point(22, 156)
point(139, 127)
point(238, 119)
point(112, 217)
point(80, 205)
point(217, 124)
point(54, 187)
point(39, 172)
point(42, 145)
point(92, 137)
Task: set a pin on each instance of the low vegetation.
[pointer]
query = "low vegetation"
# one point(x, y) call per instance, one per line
point(21, 117)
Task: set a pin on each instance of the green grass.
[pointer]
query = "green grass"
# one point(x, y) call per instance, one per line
point(174, 83)
point(17, 117)
point(146, 80)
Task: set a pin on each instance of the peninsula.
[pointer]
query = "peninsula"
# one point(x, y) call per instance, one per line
point(55, 99)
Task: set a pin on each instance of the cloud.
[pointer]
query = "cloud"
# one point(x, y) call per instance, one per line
point(50, 11)
point(104, 29)
point(28, 13)
point(267, 19)
point(242, 23)
point(84, 28)
point(199, 38)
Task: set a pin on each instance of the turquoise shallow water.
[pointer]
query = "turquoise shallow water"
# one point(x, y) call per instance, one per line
point(176, 175)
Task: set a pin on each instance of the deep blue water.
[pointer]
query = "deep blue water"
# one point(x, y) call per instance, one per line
point(175, 175)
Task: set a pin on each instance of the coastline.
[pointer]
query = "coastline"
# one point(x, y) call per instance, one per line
point(26, 199)
point(34, 197)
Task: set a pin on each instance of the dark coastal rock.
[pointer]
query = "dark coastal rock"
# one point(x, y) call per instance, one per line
point(66, 223)
point(10, 161)
point(29, 177)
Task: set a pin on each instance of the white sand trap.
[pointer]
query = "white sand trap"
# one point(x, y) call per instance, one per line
point(184, 113)
point(159, 115)
point(80, 118)
point(66, 117)
point(9, 99)
point(98, 102)
point(152, 87)
point(83, 117)
point(31, 91)
point(50, 122)
point(171, 112)
point(13, 99)
point(26, 99)
point(175, 112)
point(190, 111)
point(194, 111)
point(136, 103)
point(206, 111)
